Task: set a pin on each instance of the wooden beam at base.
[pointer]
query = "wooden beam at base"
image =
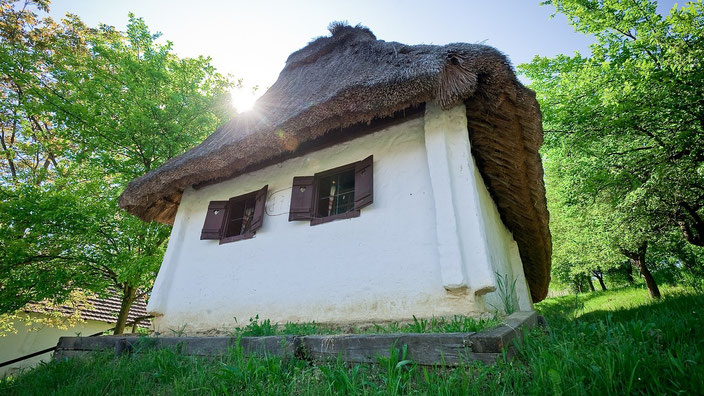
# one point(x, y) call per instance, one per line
point(428, 349)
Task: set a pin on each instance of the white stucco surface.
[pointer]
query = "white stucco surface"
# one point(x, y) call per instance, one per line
point(427, 246)
point(29, 339)
point(485, 244)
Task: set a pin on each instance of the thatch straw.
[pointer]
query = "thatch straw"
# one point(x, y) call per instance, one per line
point(351, 78)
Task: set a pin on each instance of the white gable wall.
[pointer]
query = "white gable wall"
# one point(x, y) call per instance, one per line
point(28, 339)
point(388, 264)
point(468, 217)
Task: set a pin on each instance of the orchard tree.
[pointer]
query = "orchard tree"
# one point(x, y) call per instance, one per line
point(129, 103)
point(628, 120)
point(30, 147)
point(87, 110)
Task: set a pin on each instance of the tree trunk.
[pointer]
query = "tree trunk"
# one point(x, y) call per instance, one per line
point(693, 234)
point(128, 297)
point(648, 277)
point(578, 285)
point(591, 285)
point(629, 273)
point(638, 260)
point(602, 284)
point(600, 276)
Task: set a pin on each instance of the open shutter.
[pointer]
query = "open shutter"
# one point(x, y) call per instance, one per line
point(214, 220)
point(363, 183)
point(259, 206)
point(301, 198)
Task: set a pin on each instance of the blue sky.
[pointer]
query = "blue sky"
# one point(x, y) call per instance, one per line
point(252, 39)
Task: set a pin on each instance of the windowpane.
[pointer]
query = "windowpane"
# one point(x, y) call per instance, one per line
point(240, 217)
point(336, 194)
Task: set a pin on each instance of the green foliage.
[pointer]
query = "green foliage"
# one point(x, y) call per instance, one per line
point(82, 112)
point(397, 370)
point(456, 324)
point(612, 343)
point(130, 103)
point(344, 381)
point(624, 132)
point(257, 328)
point(506, 290)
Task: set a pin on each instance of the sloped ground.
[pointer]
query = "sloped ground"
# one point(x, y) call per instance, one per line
point(614, 342)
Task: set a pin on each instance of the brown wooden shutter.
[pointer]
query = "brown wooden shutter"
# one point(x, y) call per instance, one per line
point(259, 209)
point(214, 220)
point(364, 183)
point(301, 198)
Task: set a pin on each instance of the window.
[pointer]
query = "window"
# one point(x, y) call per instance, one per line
point(335, 193)
point(238, 218)
point(338, 193)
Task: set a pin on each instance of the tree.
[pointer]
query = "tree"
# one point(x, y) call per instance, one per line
point(111, 106)
point(595, 228)
point(582, 247)
point(31, 151)
point(636, 104)
point(130, 103)
point(30, 148)
point(628, 120)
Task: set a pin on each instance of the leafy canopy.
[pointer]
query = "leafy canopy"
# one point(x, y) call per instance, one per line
point(624, 128)
point(82, 111)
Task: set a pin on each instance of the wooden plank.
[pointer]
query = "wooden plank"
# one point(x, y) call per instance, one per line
point(284, 346)
point(486, 358)
point(493, 340)
point(448, 349)
point(122, 347)
point(62, 354)
point(87, 343)
point(522, 319)
point(218, 346)
point(200, 346)
point(424, 349)
point(496, 339)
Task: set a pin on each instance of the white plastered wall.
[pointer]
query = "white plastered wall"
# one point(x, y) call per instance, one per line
point(29, 339)
point(467, 219)
point(388, 264)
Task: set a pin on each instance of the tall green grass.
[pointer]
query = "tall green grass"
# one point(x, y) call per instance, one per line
point(454, 324)
point(606, 343)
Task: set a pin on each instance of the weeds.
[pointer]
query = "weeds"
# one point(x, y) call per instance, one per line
point(397, 371)
point(179, 332)
point(506, 286)
point(343, 380)
point(256, 328)
point(455, 324)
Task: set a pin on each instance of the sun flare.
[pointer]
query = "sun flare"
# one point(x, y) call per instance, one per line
point(243, 99)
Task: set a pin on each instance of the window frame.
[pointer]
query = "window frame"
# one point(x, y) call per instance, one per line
point(216, 231)
point(316, 200)
point(230, 203)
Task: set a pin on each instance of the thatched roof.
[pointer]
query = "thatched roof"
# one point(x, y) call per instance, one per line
point(351, 78)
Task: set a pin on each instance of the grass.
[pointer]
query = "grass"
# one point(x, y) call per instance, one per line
point(612, 343)
point(455, 324)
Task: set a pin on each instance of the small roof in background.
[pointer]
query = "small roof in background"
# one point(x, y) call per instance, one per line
point(107, 309)
point(351, 78)
point(102, 310)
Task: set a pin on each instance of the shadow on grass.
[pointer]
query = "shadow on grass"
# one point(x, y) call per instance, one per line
point(576, 305)
point(671, 311)
point(620, 342)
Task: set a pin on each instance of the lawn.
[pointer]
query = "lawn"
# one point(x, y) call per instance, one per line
point(455, 324)
point(614, 342)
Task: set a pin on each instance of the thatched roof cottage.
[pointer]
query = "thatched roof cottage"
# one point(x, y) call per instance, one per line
point(374, 181)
